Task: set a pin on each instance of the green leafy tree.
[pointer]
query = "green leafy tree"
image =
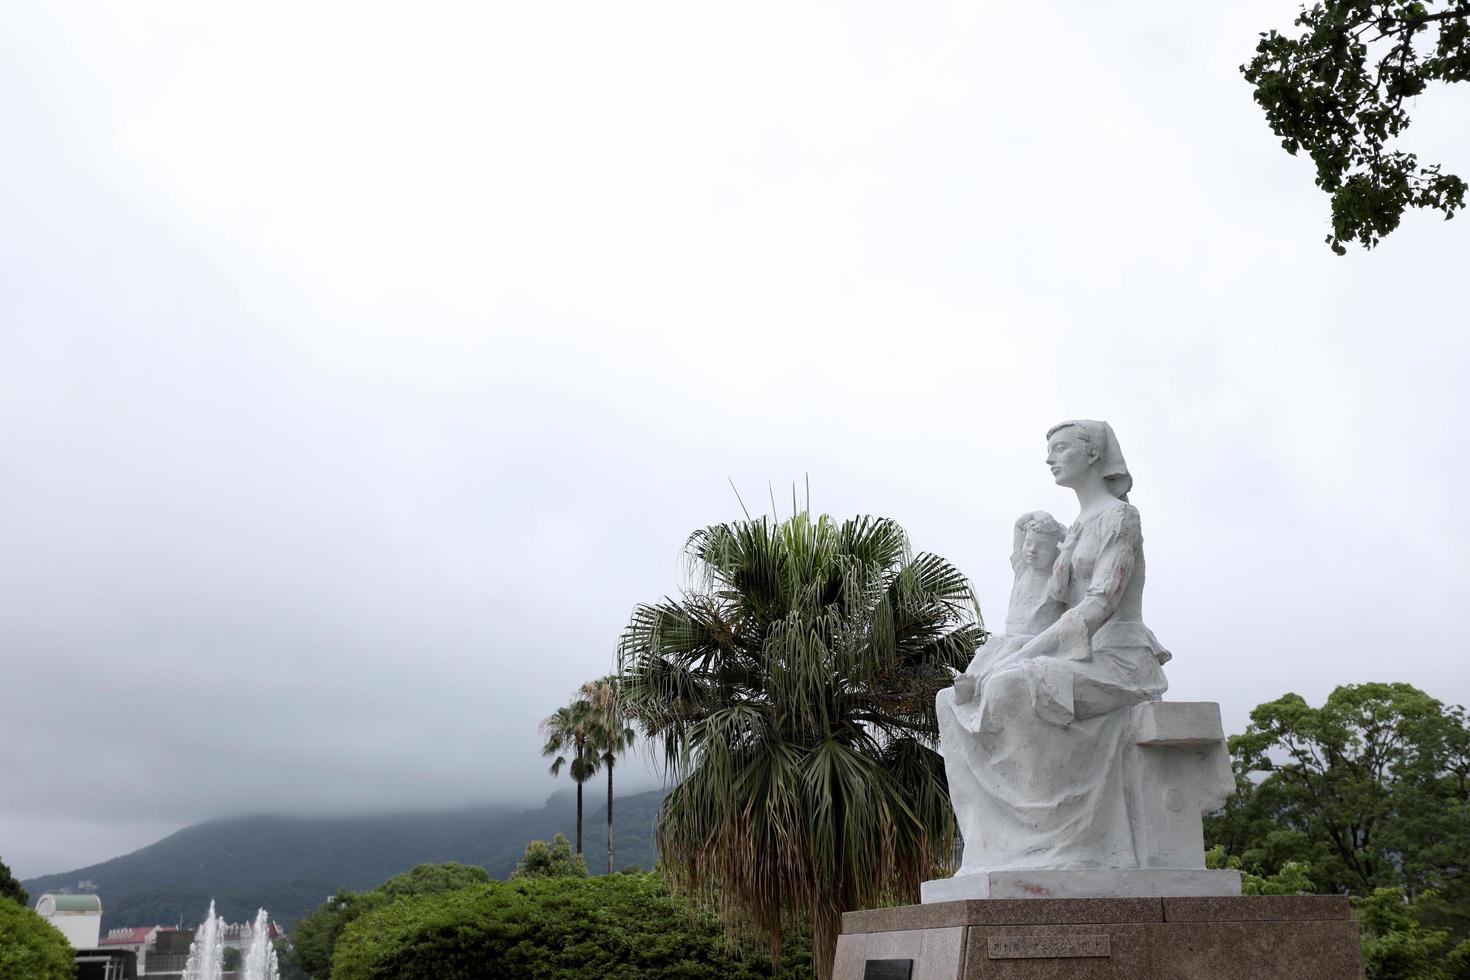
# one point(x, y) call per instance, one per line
point(1400, 944)
point(1290, 880)
point(316, 933)
point(567, 732)
point(1339, 90)
point(554, 860)
point(612, 927)
point(10, 888)
point(31, 948)
point(1370, 790)
point(792, 689)
point(610, 736)
point(285, 957)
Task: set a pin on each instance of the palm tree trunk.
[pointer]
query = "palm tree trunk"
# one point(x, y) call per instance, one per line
point(609, 760)
point(579, 819)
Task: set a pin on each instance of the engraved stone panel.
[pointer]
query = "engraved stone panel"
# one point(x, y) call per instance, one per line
point(1046, 947)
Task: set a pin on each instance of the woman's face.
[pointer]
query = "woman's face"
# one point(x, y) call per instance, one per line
point(1068, 457)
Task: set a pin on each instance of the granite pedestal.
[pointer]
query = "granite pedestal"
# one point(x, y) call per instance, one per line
point(1114, 883)
point(1305, 937)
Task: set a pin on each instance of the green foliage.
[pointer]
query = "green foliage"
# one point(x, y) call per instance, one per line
point(568, 731)
point(612, 927)
point(231, 959)
point(554, 860)
point(10, 888)
point(286, 958)
point(1367, 795)
point(1370, 790)
point(1290, 880)
point(427, 879)
point(1339, 90)
point(31, 948)
point(793, 692)
point(609, 735)
point(1400, 944)
point(317, 933)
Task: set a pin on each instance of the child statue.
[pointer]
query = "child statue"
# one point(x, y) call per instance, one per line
point(1036, 540)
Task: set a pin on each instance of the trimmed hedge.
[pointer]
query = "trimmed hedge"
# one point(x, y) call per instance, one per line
point(312, 942)
point(611, 927)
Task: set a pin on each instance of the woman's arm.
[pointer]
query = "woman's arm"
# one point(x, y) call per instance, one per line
point(1110, 577)
point(1122, 534)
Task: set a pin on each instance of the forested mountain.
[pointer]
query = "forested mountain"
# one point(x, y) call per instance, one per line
point(289, 865)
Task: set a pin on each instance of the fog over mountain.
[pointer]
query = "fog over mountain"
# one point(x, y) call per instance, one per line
point(362, 366)
point(289, 865)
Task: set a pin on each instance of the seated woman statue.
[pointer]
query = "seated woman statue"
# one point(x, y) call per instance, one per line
point(1033, 733)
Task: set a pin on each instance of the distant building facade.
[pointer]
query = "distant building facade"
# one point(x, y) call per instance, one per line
point(162, 951)
point(77, 917)
point(137, 940)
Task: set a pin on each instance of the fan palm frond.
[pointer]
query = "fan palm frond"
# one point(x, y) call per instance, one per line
point(792, 690)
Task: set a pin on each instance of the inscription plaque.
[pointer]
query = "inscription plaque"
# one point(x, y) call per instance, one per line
point(888, 970)
point(1046, 947)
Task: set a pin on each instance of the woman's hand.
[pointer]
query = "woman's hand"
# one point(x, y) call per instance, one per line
point(1043, 644)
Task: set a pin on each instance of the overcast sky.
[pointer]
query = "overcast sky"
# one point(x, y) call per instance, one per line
point(362, 365)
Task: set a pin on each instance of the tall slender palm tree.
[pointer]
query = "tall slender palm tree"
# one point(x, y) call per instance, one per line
point(792, 686)
point(610, 736)
point(567, 731)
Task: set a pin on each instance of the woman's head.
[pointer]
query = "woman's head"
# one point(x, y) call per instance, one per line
point(1077, 447)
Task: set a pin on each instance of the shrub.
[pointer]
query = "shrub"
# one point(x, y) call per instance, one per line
point(1290, 880)
point(315, 935)
point(426, 879)
point(31, 948)
point(554, 860)
point(10, 888)
point(612, 927)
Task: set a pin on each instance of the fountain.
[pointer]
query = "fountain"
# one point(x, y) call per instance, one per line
point(206, 953)
point(260, 959)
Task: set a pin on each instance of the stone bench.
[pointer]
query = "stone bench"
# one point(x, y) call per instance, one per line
point(1176, 770)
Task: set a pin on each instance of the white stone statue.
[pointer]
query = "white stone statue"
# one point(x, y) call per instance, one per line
point(1054, 739)
point(1035, 544)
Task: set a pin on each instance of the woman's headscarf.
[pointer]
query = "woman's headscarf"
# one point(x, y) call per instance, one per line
point(1100, 436)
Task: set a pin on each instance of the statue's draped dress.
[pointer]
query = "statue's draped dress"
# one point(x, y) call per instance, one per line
point(1035, 760)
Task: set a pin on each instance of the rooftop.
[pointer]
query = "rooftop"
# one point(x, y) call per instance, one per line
point(68, 903)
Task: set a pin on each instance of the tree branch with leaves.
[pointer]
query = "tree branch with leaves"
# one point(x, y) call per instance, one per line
point(1338, 91)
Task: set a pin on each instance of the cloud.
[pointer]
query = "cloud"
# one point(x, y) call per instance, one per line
point(364, 366)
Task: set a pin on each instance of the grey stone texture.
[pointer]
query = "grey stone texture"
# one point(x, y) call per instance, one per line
point(1121, 882)
point(1306, 937)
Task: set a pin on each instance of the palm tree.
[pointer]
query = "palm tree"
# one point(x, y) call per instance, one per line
point(792, 687)
point(610, 736)
point(567, 737)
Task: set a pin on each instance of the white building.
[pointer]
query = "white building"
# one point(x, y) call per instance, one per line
point(137, 940)
point(77, 917)
point(164, 949)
